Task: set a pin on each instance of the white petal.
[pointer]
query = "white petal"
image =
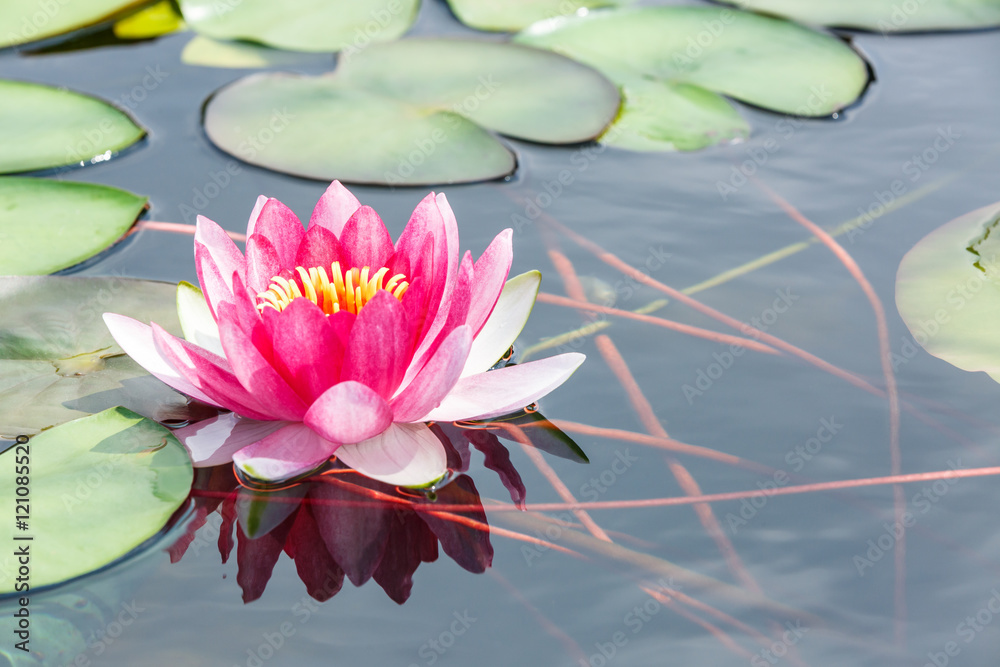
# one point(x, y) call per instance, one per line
point(213, 441)
point(403, 454)
point(197, 323)
point(291, 451)
point(505, 390)
point(136, 339)
point(505, 323)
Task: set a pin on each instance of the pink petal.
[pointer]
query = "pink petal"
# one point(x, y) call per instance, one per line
point(262, 263)
point(291, 451)
point(308, 349)
point(334, 208)
point(458, 310)
point(255, 213)
point(491, 272)
point(210, 374)
point(403, 454)
point(505, 390)
point(349, 412)
point(255, 372)
point(379, 349)
point(435, 380)
point(212, 442)
point(366, 241)
point(319, 247)
point(217, 259)
point(282, 228)
point(136, 339)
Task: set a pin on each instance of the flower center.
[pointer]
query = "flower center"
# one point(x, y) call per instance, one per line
point(340, 290)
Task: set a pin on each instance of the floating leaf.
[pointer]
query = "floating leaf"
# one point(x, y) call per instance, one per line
point(27, 21)
point(43, 127)
point(208, 52)
point(303, 25)
point(948, 292)
point(160, 19)
point(883, 15)
point(48, 225)
point(58, 360)
point(412, 112)
point(98, 488)
point(674, 63)
point(511, 15)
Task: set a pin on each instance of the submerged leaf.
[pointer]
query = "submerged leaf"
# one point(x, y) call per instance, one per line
point(46, 226)
point(948, 292)
point(413, 112)
point(208, 52)
point(303, 25)
point(674, 64)
point(58, 360)
point(883, 15)
point(100, 487)
point(42, 127)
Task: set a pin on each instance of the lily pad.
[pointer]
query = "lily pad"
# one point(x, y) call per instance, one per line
point(207, 52)
point(948, 292)
point(413, 112)
point(674, 64)
point(43, 127)
point(883, 15)
point(27, 21)
point(46, 226)
point(58, 361)
point(98, 487)
point(511, 15)
point(303, 25)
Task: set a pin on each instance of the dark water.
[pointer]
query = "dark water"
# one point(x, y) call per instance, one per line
point(802, 550)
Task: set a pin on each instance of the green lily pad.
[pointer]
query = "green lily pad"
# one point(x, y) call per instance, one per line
point(46, 226)
point(207, 52)
point(948, 292)
point(27, 21)
point(674, 64)
point(98, 487)
point(303, 25)
point(883, 15)
point(511, 15)
point(58, 361)
point(413, 112)
point(43, 127)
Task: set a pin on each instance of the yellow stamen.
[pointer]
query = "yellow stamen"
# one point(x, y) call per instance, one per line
point(346, 290)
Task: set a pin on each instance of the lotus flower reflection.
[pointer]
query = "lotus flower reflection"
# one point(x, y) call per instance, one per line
point(331, 339)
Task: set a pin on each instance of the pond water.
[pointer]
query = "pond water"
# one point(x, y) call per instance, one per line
point(830, 558)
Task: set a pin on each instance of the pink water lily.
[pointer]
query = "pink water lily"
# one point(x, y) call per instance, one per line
point(331, 340)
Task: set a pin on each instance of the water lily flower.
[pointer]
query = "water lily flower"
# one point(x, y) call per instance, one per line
point(331, 340)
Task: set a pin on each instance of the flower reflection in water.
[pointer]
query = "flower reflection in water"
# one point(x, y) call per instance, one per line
point(339, 524)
